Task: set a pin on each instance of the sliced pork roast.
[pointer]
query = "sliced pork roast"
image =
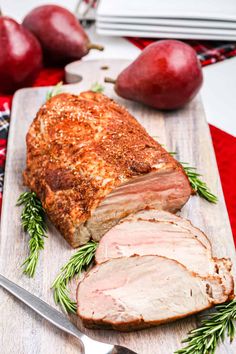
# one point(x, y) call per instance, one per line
point(141, 291)
point(153, 232)
point(158, 215)
point(91, 164)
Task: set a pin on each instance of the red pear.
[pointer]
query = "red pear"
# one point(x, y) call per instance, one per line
point(62, 37)
point(166, 75)
point(20, 56)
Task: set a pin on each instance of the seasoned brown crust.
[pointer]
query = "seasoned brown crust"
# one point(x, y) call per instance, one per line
point(228, 266)
point(133, 325)
point(79, 148)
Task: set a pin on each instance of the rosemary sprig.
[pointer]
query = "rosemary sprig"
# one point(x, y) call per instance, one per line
point(96, 87)
point(205, 339)
point(54, 91)
point(33, 216)
point(76, 264)
point(33, 222)
point(198, 185)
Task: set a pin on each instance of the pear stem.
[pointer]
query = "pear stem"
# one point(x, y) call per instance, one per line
point(110, 80)
point(95, 46)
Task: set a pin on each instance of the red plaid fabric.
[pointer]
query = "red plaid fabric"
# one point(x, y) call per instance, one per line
point(208, 52)
point(4, 126)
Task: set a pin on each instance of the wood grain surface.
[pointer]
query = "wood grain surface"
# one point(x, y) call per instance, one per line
point(184, 131)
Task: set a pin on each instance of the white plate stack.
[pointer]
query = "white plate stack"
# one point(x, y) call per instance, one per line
point(185, 19)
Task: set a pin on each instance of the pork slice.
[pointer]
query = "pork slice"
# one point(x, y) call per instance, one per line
point(222, 266)
point(160, 215)
point(91, 163)
point(152, 232)
point(142, 237)
point(142, 291)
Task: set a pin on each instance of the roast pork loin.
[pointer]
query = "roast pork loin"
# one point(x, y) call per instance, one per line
point(153, 232)
point(91, 164)
point(141, 291)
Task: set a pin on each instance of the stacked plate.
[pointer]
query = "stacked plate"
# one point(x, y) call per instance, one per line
point(190, 19)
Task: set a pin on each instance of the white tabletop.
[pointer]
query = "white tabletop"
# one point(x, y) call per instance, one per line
point(219, 88)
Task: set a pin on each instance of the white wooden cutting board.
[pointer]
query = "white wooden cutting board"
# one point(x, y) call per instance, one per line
point(184, 131)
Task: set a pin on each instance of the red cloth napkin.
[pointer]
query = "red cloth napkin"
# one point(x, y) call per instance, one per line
point(224, 144)
point(225, 150)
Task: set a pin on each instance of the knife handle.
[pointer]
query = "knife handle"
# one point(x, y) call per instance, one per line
point(59, 320)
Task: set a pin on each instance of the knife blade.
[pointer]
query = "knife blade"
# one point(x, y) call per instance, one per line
point(90, 346)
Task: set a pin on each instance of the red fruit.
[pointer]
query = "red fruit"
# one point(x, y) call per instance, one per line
point(20, 56)
point(62, 38)
point(166, 75)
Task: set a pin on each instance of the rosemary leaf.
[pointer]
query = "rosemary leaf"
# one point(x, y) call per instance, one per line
point(198, 185)
point(76, 264)
point(54, 91)
point(96, 87)
point(212, 331)
point(33, 222)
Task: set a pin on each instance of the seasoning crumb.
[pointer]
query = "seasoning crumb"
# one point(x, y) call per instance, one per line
point(104, 67)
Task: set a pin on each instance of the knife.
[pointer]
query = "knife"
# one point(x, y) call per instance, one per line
point(90, 346)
